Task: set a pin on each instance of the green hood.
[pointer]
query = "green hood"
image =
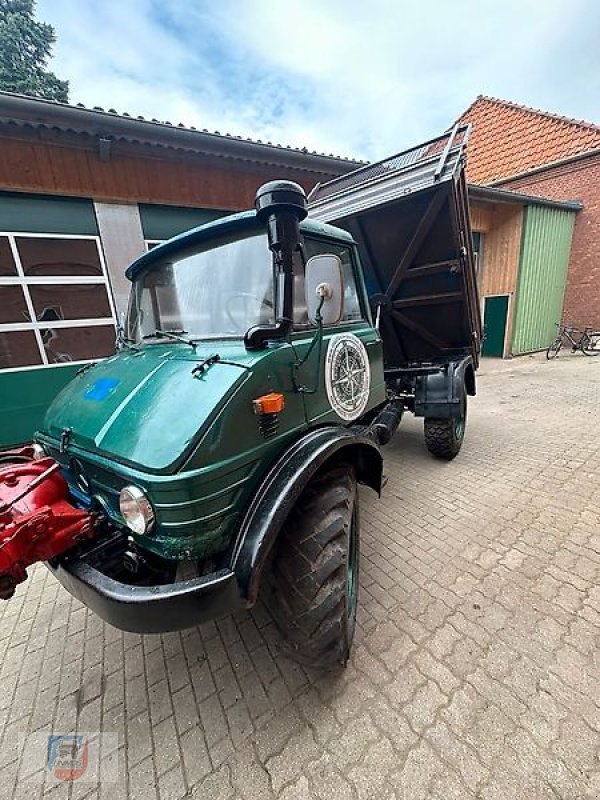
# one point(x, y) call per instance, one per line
point(144, 408)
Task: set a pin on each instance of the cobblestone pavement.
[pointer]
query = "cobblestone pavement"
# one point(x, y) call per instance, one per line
point(476, 666)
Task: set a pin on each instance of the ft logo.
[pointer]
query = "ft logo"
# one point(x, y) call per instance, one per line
point(68, 756)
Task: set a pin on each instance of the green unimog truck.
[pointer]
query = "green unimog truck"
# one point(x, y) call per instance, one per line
point(265, 359)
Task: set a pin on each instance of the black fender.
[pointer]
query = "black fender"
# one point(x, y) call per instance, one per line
point(282, 487)
point(439, 395)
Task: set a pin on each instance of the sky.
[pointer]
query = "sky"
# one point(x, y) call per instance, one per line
point(358, 79)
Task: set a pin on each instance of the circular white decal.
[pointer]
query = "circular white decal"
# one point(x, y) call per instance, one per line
point(347, 375)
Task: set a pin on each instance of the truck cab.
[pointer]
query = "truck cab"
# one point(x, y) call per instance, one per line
point(265, 360)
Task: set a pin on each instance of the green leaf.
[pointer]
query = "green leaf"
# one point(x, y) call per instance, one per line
point(25, 48)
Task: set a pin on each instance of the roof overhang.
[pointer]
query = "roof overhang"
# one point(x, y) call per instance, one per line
point(32, 112)
point(491, 194)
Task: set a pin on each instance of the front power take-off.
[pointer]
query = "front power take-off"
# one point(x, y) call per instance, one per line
point(37, 521)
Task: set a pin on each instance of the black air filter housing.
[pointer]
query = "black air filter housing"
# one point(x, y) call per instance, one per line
point(276, 197)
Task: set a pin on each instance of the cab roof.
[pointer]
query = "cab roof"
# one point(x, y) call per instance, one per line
point(233, 223)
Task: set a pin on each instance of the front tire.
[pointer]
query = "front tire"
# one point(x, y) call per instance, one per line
point(444, 437)
point(314, 575)
point(552, 351)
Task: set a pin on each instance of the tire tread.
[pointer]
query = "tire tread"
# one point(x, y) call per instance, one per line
point(307, 582)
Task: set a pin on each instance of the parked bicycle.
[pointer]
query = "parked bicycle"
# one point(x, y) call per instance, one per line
point(588, 342)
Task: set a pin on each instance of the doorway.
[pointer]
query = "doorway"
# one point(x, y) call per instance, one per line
point(494, 325)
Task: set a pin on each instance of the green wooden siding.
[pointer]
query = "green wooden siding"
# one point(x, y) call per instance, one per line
point(24, 397)
point(545, 250)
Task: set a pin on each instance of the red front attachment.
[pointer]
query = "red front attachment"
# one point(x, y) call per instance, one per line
point(37, 522)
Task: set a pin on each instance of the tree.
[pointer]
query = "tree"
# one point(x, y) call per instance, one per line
point(25, 47)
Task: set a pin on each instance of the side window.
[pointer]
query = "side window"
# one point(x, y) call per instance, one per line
point(313, 247)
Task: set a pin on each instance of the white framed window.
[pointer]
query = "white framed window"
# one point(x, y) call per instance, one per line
point(56, 305)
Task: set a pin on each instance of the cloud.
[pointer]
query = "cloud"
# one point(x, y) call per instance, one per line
point(352, 78)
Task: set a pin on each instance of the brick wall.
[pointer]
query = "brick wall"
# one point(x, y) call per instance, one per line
point(579, 180)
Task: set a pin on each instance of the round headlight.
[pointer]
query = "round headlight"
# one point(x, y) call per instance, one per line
point(136, 510)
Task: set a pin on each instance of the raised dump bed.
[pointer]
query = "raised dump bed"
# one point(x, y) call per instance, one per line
point(409, 215)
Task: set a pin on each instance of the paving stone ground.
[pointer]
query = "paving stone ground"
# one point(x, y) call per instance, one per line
point(476, 666)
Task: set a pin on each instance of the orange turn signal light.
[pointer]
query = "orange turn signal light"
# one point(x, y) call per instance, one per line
point(272, 403)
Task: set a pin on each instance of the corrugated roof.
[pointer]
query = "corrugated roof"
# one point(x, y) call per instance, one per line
point(509, 139)
point(34, 112)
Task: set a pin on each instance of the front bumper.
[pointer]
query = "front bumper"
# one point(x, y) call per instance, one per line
point(150, 609)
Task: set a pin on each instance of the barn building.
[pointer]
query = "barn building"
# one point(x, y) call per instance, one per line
point(516, 149)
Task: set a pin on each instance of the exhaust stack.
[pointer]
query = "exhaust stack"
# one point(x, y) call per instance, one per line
point(281, 205)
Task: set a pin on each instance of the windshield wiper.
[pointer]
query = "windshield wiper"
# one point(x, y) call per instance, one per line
point(130, 344)
point(124, 341)
point(171, 335)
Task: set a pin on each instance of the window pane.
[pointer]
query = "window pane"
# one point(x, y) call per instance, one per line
point(221, 288)
point(12, 305)
point(79, 301)
point(78, 344)
point(18, 349)
point(299, 294)
point(351, 304)
point(7, 262)
point(58, 256)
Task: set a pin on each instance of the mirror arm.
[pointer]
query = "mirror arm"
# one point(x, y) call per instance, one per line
point(318, 335)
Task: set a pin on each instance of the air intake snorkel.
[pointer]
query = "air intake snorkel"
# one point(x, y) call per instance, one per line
point(281, 205)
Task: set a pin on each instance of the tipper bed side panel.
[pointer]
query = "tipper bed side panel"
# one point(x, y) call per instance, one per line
point(412, 226)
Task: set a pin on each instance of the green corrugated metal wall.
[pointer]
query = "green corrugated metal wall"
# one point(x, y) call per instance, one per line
point(545, 250)
point(40, 213)
point(24, 398)
point(162, 222)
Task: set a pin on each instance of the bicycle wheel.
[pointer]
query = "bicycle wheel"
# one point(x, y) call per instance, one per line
point(591, 344)
point(552, 351)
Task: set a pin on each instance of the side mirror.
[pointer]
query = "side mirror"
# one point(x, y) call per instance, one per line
point(324, 283)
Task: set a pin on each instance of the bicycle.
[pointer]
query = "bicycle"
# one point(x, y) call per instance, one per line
point(588, 342)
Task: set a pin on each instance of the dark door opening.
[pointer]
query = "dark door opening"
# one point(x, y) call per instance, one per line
point(494, 325)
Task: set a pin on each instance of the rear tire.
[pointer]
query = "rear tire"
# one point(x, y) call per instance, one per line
point(444, 437)
point(314, 574)
point(591, 347)
point(552, 351)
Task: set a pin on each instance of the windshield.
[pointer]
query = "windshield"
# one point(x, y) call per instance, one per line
point(219, 289)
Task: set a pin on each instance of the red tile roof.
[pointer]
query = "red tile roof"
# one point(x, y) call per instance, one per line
point(508, 139)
